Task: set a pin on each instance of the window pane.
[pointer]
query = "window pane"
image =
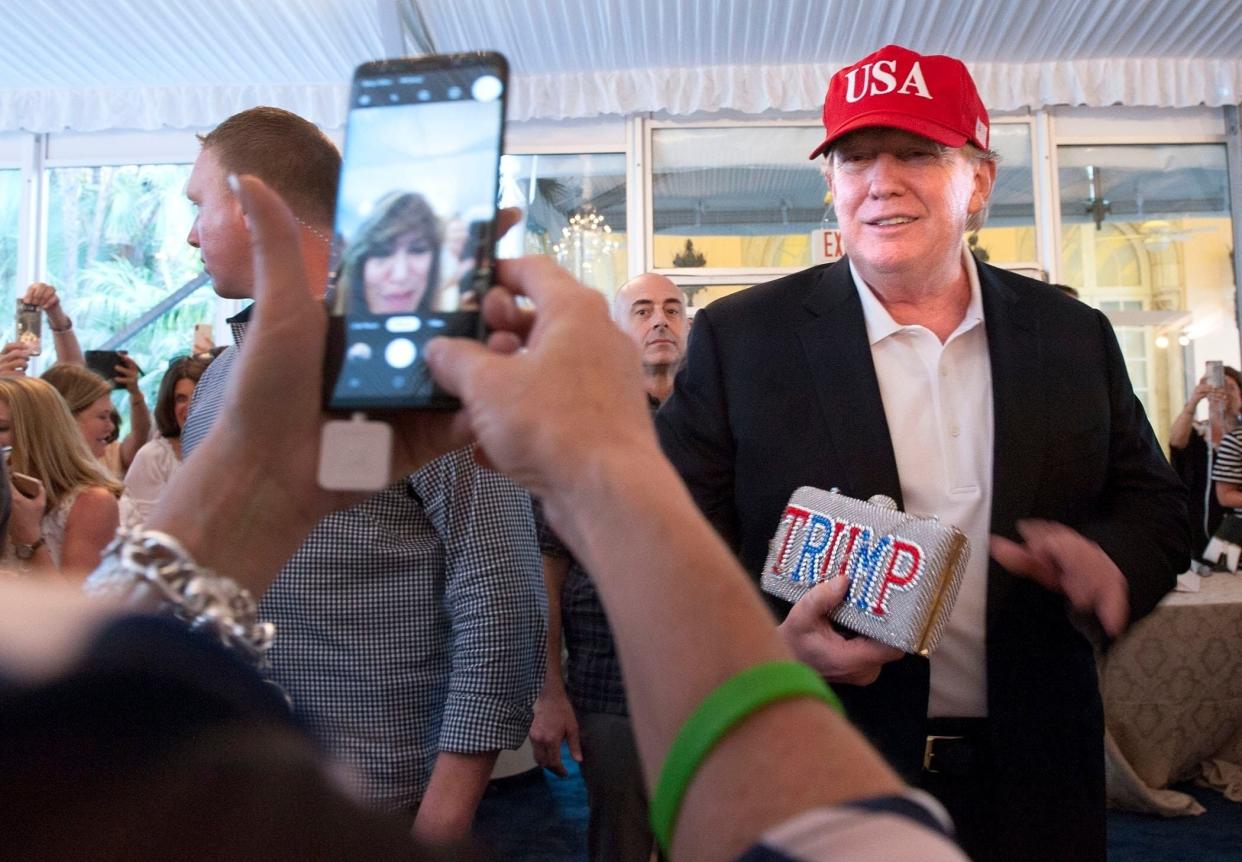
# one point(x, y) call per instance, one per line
point(699, 295)
point(167, 337)
point(10, 203)
point(575, 211)
point(1146, 237)
point(116, 247)
point(1009, 236)
point(735, 197)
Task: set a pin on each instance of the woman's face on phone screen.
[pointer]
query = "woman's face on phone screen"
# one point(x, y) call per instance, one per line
point(395, 282)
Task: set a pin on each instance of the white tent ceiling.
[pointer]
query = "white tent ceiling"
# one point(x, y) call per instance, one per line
point(89, 65)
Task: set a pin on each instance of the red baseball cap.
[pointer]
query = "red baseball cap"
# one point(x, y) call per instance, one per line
point(928, 94)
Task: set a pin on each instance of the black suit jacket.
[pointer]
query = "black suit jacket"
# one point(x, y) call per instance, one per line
point(779, 390)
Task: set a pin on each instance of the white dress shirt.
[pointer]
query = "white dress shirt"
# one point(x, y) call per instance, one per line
point(938, 403)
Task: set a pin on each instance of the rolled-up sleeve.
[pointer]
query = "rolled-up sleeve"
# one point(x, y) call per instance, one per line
point(495, 600)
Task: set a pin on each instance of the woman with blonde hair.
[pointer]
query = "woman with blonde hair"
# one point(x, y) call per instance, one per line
point(89, 397)
point(81, 510)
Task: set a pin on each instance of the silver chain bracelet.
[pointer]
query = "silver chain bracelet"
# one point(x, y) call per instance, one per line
point(203, 600)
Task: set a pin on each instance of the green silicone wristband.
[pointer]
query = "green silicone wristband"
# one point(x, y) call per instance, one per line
point(733, 700)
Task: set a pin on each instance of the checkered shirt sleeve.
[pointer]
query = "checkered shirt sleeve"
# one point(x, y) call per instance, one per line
point(207, 400)
point(493, 591)
point(593, 670)
point(411, 623)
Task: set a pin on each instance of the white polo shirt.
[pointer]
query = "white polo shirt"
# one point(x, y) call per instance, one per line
point(938, 403)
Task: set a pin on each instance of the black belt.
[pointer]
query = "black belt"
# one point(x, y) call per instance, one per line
point(956, 746)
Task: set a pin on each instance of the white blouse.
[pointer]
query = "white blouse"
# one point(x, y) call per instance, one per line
point(150, 471)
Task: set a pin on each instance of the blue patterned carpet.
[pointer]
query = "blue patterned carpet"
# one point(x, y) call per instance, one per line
point(1215, 836)
point(539, 818)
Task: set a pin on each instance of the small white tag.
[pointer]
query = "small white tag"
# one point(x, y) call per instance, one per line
point(355, 455)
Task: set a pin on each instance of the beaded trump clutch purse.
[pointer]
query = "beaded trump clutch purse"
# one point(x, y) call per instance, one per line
point(904, 570)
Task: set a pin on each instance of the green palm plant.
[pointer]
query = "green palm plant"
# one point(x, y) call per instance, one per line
point(116, 247)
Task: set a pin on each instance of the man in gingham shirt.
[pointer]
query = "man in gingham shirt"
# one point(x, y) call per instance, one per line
point(410, 628)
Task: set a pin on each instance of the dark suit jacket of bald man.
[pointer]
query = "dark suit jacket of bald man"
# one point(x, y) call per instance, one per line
point(779, 391)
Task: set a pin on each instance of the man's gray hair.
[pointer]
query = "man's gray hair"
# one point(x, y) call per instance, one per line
point(977, 220)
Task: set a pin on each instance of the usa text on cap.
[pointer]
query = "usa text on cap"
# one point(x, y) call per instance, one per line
point(928, 94)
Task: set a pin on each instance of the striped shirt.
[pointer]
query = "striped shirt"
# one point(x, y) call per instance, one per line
point(410, 624)
point(1228, 464)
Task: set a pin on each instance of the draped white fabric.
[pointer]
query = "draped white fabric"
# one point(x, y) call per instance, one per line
point(1163, 83)
point(146, 64)
point(177, 107)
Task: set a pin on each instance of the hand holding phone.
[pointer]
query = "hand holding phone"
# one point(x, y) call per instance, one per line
point(28, 486)
point(1215, 375)
point(27, 505)
point(126, 372)
point(204, 341)
point(418, 191)
point(115, 366)
point(14, 358)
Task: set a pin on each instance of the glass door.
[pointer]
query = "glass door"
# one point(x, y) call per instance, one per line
point(1146, 237)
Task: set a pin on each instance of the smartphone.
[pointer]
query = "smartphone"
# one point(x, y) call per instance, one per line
point(28, 486)
point(419, 185)
point(30, 326)
point(204, 340)
point(104, 363)
point(1216, 373)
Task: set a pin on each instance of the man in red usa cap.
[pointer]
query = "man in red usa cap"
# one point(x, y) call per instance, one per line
point(960, 390)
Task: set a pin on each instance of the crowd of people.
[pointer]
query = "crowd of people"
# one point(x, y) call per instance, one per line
point(607, 495)
point(89, 478)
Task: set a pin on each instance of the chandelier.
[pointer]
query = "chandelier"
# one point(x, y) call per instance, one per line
point(586, 241)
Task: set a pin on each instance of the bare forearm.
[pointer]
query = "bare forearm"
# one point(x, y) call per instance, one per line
point(1182, 427)
point(246, 528)
point(554, 571)
point(68, 350)
point(700, 590)
point(139, 428)
point(1228, 494)
point(686, 618)
point(453, 794)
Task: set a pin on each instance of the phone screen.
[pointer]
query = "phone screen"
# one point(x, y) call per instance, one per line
point(29, 326)
point(415, 223)
point(1216, 373)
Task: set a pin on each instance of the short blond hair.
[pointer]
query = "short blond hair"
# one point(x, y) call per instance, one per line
point(46, 441)
point(78, 385)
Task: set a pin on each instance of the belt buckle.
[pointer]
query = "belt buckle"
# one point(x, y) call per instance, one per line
point(929, 751)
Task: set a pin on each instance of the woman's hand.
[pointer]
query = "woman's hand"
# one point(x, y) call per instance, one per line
point(26, 513)
point(14, 358)
point(127, 374)
point(44, 296)
point(1203, 390)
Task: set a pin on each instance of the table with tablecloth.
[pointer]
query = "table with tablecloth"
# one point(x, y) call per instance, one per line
point(1172, 692)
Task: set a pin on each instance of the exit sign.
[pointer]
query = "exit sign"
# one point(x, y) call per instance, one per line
point(826, 246)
